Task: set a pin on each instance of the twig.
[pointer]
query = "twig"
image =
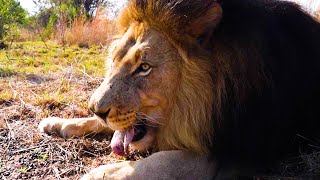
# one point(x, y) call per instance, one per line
point(66, 171)
point(56, 172)
point(95, 155)
point(61, 148)
point(12, 135)
point(35, 94)
point(27, 149)
point(84, 72)
point(15, 93)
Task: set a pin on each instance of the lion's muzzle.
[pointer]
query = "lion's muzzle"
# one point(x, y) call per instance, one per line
point(121, 121)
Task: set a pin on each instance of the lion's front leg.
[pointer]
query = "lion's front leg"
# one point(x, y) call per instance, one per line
point(68, 128)
point(161, 165)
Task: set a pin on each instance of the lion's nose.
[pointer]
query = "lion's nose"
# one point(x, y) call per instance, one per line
point(102, 115)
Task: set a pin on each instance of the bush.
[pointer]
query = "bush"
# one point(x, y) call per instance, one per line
point(11, 15)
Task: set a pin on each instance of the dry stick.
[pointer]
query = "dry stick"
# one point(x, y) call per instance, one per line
point(95, 155)
point(35, 94)
point(15, 93)
point(66, 171)
point(11, 133)
point(30, 148)
point(84, 72)
point(61, 148)
point(56, 172)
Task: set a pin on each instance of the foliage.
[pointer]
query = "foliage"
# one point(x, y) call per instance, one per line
point(56, 16)
point(11, 15)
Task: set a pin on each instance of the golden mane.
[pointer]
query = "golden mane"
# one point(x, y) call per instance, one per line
point(169, 17)
point(190, 124)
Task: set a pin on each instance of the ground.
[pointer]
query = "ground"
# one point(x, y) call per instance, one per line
point(40, 79)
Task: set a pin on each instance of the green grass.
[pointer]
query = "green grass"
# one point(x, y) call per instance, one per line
point(5, 71)
point(40, 58)
point(50, 76)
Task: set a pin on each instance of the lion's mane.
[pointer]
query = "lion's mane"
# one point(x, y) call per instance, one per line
point(238, 97)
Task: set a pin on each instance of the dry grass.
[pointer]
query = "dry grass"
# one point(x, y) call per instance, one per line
point(37, 82)
point(86, 33)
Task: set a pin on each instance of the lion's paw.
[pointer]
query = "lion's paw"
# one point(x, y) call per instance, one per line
point(121, 170)
point(57, 125)
point(48, 125)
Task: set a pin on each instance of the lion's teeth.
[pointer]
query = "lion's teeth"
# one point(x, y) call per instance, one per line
point(127, 139)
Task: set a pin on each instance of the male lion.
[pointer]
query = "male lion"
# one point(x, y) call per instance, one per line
point(220, 88)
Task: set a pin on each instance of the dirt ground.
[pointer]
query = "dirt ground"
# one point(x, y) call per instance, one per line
point(27, 154)
point(39, 80)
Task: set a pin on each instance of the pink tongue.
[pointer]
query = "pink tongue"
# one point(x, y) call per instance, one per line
point(121, 140)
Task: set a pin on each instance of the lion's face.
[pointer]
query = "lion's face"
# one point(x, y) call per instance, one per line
point(161, 81)
point(143, 71)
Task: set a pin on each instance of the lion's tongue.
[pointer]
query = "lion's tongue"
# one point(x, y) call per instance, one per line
point(121, 140)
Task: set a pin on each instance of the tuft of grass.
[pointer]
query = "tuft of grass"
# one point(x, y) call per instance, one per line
point(24, 169)
point(6, 72)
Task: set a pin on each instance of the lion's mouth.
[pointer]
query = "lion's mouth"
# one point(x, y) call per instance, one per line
point(121, 139)
point(140, 131)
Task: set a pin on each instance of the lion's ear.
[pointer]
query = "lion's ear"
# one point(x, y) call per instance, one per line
point(202, 27)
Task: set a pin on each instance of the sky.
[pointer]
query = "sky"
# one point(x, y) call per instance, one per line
point(28, 5)
point(32, 8)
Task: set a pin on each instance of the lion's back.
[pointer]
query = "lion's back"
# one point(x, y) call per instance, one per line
point(285, 42)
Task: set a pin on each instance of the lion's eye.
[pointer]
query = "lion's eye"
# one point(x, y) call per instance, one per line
point(145, 69)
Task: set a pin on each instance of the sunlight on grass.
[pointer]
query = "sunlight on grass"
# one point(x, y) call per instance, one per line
point(50, 76)
point(36, 58)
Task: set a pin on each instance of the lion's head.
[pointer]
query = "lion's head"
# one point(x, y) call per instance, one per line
point(159, 84)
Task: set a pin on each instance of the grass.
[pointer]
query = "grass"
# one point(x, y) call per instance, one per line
point(38, 80)
point(40, 58)
point(48, 73)
point(87, 33)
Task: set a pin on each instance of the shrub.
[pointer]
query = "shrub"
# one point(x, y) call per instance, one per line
point(11, 14)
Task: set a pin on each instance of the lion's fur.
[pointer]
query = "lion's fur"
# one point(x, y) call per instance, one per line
point(229, 75)
point(171, 18)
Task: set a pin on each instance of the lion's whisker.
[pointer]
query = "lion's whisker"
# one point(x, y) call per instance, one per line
point(149, 118)
point(146, 123)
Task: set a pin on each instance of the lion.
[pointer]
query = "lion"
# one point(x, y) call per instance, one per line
point(220, 89)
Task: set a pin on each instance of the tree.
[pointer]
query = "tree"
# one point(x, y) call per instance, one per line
point(11, 14)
